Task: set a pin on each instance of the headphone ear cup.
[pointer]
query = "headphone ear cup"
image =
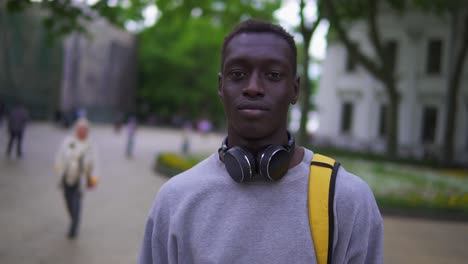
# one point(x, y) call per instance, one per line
point(240, 164)
point(273, 162)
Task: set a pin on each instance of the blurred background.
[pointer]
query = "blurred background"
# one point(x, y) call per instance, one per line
point(384, 90)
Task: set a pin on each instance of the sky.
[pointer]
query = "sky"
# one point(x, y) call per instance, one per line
point(288, 17)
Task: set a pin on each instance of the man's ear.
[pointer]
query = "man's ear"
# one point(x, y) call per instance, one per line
point(296, 86)
point(220, 85)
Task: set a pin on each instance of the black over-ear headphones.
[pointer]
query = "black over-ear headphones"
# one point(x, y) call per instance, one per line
point(271, 163)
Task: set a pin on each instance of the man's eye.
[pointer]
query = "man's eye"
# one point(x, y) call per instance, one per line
point(237, 75)
point(274, 76)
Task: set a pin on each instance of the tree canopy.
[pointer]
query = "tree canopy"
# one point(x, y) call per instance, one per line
point(179, 57)
point(66, 16)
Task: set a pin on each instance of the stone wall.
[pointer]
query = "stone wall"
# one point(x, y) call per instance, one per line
point(30, 66)
point(95, 71)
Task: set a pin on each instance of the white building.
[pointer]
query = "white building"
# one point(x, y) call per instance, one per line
point(351, 103)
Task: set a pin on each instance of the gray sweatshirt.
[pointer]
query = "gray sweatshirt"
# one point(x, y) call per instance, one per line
point(203, 216)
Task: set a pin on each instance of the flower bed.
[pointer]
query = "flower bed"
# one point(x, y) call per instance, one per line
point(413, 189)
point(171, 164)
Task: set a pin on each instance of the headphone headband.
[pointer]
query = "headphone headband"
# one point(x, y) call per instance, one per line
point(290, 146)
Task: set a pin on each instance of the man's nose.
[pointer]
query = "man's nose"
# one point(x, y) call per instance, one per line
point(254, 87)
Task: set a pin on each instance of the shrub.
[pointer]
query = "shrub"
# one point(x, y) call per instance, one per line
point(171, 164)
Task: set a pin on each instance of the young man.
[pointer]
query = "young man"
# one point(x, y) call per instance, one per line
point(248, 202)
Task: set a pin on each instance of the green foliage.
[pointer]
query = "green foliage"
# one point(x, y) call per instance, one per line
point(178, 67)
point(351, 9)
point(179, 56)
point(122, 11)
point(439, 6)
point(16, 5)
point(170, 164)
point(65, 16)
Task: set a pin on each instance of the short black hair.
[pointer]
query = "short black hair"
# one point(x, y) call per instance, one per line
point(259, 26)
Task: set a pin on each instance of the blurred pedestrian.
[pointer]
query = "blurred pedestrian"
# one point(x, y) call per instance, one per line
point(81, 113)
point(131, 131)
point(17, 119)
point(186, 133)
point(204, 126)
point(2, 111)
point(75, 163)
point(2, 116)
point(118, 121)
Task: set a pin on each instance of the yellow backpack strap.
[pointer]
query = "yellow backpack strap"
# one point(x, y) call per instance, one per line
point(322, 178)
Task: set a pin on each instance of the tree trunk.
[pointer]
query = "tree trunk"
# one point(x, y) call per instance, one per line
point(392, 119)
point(453, 85)
point(302, 137)
point(307, 33)
point(377, 66)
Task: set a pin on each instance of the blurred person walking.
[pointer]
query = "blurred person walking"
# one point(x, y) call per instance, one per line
point(75, 161)
point(2, 111)
point(186, 134)
point(131, 131)
point(2, 116)
point(204, 126)
point(118, 121)
point(17, 119)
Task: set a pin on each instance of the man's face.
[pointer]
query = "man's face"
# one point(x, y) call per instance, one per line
point(257, 85)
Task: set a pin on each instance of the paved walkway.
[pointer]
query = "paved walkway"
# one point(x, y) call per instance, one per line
point(33, 222)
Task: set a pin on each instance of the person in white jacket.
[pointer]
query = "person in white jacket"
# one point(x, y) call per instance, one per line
point(74, 164)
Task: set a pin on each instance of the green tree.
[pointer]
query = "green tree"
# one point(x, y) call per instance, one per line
point(178, 67)
point(179, 57)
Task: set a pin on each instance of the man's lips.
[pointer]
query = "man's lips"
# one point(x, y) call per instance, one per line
point(252, 110)
point(253, 106)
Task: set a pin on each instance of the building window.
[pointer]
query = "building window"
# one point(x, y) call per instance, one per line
point(391, 53)
point(346, 117)
point(434, 56)
point(350, 63)
point(429, 123)
point(383, 121)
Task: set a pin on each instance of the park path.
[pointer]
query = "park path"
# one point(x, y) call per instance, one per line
point(33, 222)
